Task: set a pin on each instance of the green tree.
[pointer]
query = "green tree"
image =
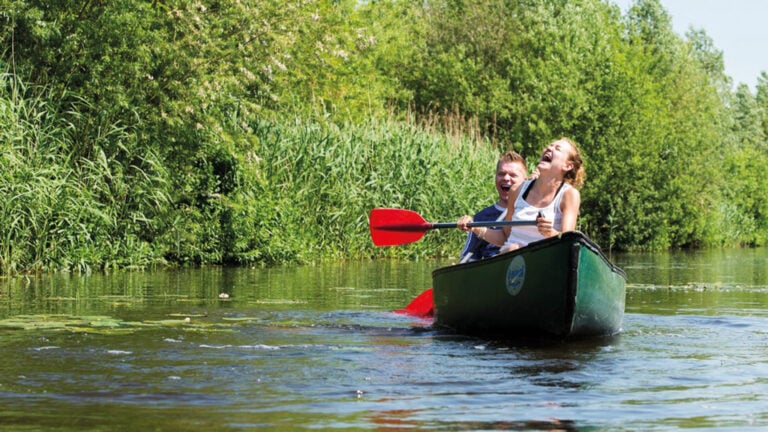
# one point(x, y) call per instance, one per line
point(762, 100)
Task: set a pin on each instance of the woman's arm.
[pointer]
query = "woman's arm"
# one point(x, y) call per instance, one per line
point(493, 236)
point(570, 208)
point(510, 212)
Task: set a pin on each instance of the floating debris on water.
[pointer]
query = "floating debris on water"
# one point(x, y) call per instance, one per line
point(104, 324)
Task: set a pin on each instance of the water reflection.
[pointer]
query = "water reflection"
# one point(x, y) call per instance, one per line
point(720, 267)
point(344, 285)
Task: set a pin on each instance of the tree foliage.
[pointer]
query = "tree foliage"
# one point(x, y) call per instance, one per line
point(195, 102)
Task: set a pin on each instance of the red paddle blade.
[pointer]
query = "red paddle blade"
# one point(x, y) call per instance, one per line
point(423, 306)
point(391, 227)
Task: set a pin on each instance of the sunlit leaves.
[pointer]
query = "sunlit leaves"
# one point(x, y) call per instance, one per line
point(262, 131)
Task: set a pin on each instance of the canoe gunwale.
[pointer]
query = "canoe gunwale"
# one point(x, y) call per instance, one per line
point(563, 237)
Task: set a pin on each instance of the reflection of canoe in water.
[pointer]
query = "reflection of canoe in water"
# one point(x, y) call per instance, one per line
point(558, 287)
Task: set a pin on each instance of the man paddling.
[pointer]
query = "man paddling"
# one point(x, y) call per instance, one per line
point(511, 172)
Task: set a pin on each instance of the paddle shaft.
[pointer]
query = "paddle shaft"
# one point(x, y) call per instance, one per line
point(390, 227)
point(416, 227)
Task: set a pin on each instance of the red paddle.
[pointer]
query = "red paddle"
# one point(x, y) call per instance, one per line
point(423, 306)
point(391, 227)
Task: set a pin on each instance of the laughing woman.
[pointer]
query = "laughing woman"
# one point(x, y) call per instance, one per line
point(552, 200)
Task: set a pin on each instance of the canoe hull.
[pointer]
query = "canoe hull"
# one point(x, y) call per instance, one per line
point(559, 287)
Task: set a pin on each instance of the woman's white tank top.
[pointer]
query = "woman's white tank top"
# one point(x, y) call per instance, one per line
point(524, 234)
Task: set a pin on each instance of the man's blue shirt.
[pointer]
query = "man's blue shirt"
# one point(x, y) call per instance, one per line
point(480, 248)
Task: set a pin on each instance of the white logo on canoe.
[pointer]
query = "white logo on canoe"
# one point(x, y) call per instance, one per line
point(516, 275)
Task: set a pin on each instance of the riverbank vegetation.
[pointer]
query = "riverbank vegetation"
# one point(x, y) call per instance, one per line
point(139, 133)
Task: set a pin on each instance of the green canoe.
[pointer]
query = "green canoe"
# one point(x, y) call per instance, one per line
point(559, 287)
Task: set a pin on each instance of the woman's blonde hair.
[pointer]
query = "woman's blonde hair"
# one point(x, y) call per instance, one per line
point(576, 176)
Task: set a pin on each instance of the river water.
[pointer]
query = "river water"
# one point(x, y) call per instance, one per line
point(316, 347)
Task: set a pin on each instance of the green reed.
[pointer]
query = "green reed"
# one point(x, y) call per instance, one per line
point(81, 193)
point(68, 204)
point(321, 183)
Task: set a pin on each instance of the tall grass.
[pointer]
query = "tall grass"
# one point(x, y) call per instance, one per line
point(317, 185)
point(81, 193)
point(70, 205)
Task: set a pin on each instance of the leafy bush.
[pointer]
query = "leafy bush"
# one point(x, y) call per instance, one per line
point(261, 132)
